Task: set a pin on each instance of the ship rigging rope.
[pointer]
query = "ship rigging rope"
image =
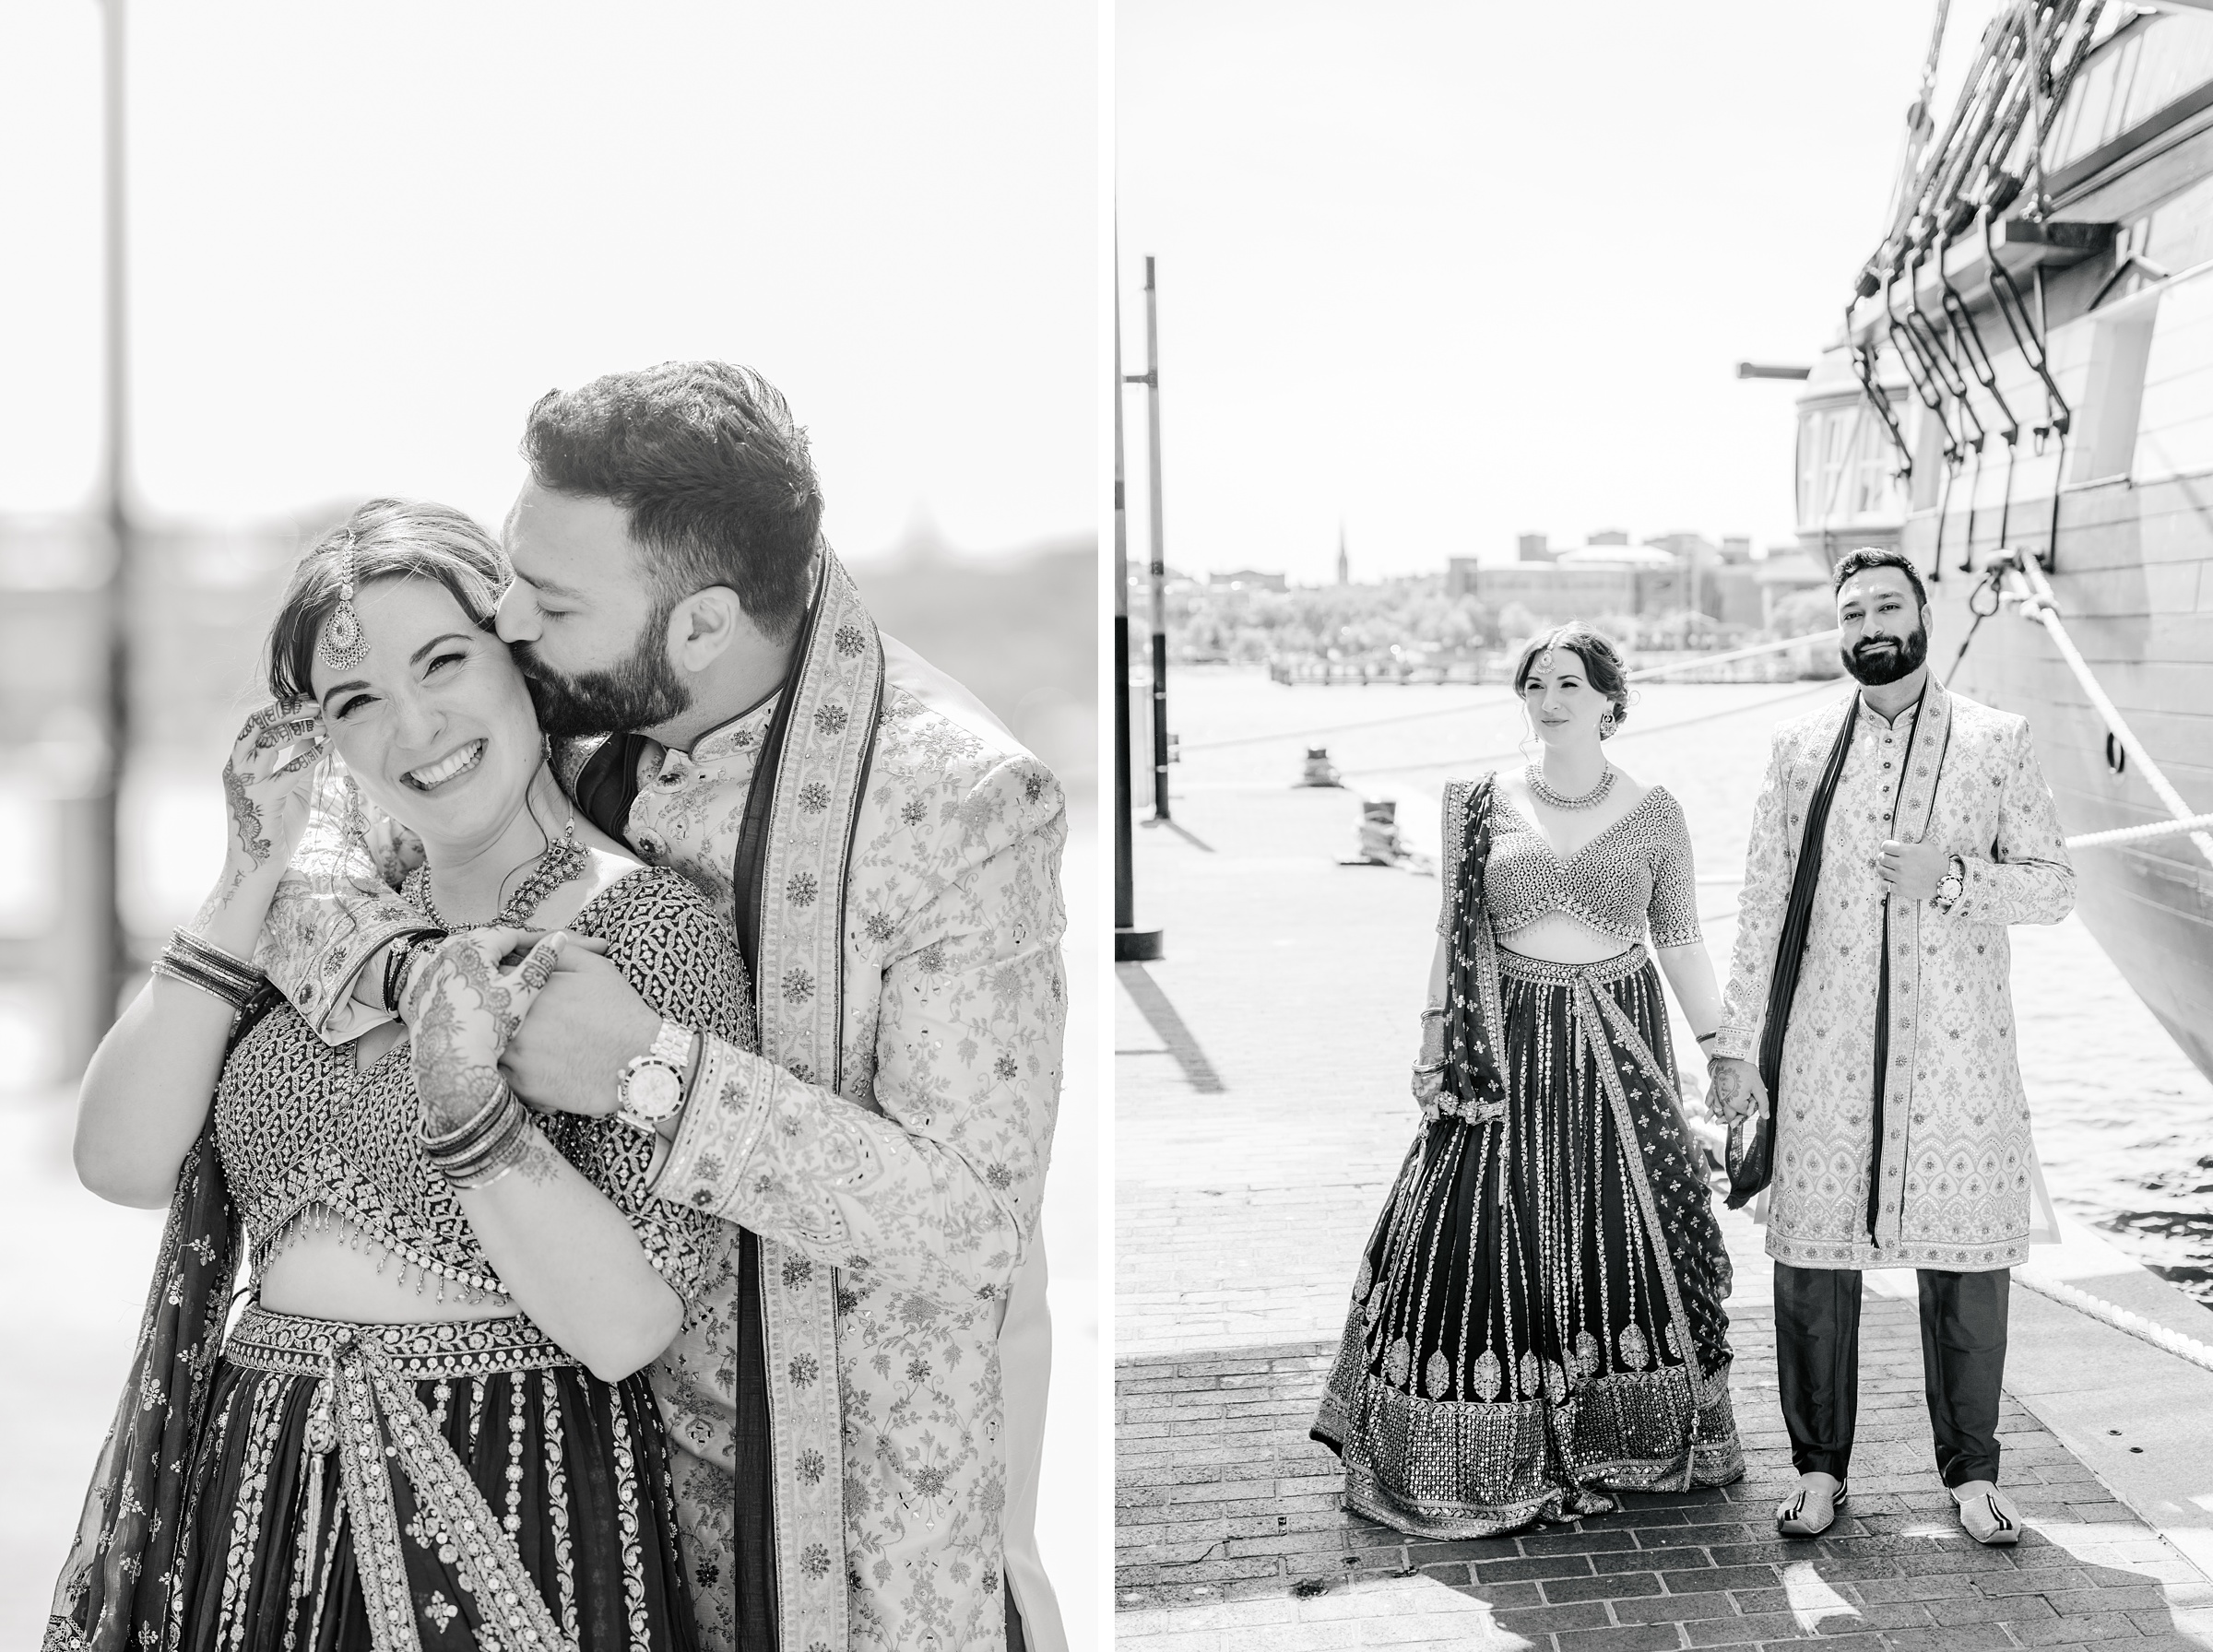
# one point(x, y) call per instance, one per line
point(1643, 673)
point(2038, 604)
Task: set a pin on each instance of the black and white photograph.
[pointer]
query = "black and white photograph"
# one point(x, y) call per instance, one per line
point(1663, 825)
point(549, 849)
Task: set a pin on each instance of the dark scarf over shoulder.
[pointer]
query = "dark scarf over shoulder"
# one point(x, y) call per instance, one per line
point(1474, 1023)
point(117, 1587)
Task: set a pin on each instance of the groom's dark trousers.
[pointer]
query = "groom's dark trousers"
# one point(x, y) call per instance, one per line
point(1962, 1366)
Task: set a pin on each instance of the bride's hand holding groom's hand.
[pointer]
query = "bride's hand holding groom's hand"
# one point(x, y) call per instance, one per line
point(462, 1009)
point(568, 1056)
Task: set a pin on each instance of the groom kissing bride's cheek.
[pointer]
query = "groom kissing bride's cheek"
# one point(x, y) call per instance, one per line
point(828, 1107)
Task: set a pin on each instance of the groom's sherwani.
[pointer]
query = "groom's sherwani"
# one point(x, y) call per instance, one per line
point(1955, 1154)
point(890, 1151)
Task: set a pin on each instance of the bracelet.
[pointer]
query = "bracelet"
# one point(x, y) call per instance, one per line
point(484, 1149)
point(397, 958)
point(210, 968)
point(1433, 1039)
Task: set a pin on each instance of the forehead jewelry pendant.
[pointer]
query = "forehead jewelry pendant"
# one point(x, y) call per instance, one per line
point(342, 645)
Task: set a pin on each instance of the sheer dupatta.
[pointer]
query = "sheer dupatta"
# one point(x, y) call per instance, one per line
point(117, 1585)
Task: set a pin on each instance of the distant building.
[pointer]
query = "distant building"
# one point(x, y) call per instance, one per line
point(1344, 565)
point(1609, 576)
point(1246, 578)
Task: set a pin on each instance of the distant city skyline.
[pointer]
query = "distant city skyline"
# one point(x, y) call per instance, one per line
point(1451, 274)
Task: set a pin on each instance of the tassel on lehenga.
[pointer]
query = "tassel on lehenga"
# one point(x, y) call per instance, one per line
point(1536, 1318)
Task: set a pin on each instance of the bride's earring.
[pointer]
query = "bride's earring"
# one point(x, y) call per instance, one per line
point(1605, 725)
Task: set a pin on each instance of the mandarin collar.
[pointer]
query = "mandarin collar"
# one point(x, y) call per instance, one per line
point(742, 733)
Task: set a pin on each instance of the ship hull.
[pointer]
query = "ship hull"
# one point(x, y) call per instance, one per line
point(2134, 580)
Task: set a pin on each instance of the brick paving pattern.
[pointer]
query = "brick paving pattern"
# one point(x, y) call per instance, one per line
point(1260, 1114)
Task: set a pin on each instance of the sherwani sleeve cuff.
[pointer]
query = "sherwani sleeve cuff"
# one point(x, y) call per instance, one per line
point(716, 1165)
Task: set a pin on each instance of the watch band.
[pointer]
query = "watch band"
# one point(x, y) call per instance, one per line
point(672, 1052)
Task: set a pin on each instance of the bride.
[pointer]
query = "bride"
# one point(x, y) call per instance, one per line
point(1536, 1320)
point(429, 1425)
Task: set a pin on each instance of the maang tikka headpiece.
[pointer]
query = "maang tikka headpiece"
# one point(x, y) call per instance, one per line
point(342, 645)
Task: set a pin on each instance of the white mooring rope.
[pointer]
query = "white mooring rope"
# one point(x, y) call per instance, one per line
point(2122, 1319)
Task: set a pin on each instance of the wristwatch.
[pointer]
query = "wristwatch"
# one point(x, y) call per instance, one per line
point(652, 1085)
point(1950, 887)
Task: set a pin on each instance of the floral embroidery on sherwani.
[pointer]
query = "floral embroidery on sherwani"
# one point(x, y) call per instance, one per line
point(1957, 1147)
point(920, 1186)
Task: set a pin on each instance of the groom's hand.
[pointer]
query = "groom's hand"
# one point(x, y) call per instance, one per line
point(585, 1025)
point(1912, 871)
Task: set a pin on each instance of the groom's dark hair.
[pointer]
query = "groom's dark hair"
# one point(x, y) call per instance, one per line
point(1878, 556)
point(713, 470)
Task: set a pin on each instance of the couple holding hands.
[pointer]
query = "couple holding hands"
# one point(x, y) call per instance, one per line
point(1536, 1319)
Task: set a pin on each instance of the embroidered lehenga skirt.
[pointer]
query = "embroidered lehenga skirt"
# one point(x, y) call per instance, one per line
point(399, 1487)
point(1536, 1318)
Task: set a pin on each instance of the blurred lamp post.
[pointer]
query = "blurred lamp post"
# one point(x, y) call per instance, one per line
point(1131, 945)
point(1150, 379)
point(93, 989)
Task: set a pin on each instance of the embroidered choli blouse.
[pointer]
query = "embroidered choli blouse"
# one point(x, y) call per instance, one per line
point(1636, 871)
point(306, 1137)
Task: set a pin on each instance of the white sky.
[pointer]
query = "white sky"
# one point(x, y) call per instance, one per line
point(367, 238)
point(1457, 271)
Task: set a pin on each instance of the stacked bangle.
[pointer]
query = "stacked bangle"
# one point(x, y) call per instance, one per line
point(399, 956)
point(196, 963)
point(486, 1148)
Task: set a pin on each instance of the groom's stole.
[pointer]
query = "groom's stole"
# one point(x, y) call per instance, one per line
point(788, 884)
point(117, 1587)
point(1752, 1140)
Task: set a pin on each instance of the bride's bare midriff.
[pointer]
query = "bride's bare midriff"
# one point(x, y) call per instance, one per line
point(1557, 939)
point(320, 1276)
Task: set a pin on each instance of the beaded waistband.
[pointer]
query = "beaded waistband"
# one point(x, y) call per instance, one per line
point(1548, 974)
point(264, 1340)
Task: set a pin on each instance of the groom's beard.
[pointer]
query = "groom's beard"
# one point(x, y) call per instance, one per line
point(1879, 660)
point(636, 692)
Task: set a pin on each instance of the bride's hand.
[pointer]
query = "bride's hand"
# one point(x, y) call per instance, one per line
point(461, 1008)
point(267, 787)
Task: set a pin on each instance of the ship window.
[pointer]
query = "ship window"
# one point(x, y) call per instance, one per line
point(2113, 396)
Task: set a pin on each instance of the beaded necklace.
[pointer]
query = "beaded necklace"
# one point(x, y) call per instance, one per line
point(1590, 799)
point(562, 863)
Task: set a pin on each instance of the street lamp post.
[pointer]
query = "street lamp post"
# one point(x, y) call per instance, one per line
point(1131, 945)
point(1150, 379)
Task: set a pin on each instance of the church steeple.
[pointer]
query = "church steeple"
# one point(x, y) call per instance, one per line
point(1344, 566)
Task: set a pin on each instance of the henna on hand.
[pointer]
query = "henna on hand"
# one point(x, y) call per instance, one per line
point(461, 1009)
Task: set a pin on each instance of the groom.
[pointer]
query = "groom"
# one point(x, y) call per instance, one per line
point(889, 858)
point(1896, 837)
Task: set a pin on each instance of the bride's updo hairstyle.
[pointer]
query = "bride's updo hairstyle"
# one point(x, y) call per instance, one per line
point(1602, 665)
point(386, 538)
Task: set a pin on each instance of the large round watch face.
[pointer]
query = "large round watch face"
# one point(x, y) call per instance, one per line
point(652, 1091)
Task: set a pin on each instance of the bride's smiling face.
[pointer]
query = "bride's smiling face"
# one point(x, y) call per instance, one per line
point(435, 724)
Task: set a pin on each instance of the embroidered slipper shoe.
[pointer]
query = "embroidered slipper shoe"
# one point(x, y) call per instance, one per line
point(1988, 1514)
point(1811, 1509)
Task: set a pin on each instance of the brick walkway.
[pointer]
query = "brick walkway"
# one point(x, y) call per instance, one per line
point(1260, 1113)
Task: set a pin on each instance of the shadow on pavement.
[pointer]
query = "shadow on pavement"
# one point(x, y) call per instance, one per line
point(1153, 1003)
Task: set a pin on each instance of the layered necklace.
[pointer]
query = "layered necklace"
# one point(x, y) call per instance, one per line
point(559, 863)
point(1546, 795)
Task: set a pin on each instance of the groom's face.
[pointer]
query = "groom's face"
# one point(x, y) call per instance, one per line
point(588, 623)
